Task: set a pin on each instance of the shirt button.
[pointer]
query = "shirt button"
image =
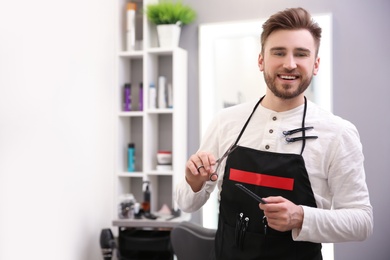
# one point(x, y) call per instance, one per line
point(267, 147)
point(274, 118)
point(271, 131)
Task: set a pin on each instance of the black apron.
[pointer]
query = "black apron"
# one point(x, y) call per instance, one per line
point(242, 231)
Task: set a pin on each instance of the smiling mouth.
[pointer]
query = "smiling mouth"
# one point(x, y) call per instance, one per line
point(288, 77)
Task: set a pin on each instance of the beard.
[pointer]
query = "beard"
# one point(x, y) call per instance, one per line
point(286, 91)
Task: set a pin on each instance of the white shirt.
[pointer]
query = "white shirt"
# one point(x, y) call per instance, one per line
point(334, 163)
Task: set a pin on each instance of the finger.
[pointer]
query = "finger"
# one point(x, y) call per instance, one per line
point(200, 167)
point(273, 224)
point(213, 177)
point(197, 164)
point(274, 199)
point(280, 224)
point(191, 168)
point(204, 163)
point(192, 164)
point(202, 170)
point(262, 206)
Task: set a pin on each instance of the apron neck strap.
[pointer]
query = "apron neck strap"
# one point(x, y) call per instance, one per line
point(247, 121)
point(253, 111)
point(303, 126)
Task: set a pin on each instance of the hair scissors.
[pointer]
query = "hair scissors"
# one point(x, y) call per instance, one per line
point(219, 161)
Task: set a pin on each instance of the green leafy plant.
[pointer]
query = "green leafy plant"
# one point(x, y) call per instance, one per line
point(169, 12)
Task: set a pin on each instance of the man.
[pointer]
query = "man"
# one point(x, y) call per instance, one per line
point(305, 162)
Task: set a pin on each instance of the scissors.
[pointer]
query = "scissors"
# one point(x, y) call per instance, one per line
point(219, 161)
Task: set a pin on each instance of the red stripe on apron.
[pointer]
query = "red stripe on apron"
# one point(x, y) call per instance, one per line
point(263, 180)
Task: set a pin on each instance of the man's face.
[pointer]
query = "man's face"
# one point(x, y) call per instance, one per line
point(289, 62)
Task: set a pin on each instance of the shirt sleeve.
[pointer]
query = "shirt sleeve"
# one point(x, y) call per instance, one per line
point(188, 200)
point(351, 215)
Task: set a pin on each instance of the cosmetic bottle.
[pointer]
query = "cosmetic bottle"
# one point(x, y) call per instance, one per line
point(131, 158)
point(152, 96)
point(127, 97)
point(130, 26)
point(141, 97)
point(164, 160)
point(162, 103)
point(170, 95)
point(146, 202)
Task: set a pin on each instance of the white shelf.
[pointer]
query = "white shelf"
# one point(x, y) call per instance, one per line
point(160, 111)
point(162, 51)
point(131, 54)
point(131, 174)
point(131, 114)
point(161, 173)
point(151, 129)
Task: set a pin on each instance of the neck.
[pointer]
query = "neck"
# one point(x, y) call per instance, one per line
point(277, 104)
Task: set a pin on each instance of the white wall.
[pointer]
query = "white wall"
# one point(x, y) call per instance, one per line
point(56, 76)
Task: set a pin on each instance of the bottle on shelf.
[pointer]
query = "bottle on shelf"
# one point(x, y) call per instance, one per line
point(130, 26)
point(170, 95)
point(152, 96)
point(164, 160)
point(146, 202)
point(131, 158)
point(127, 97)
point(162, 101)
point(141, 97)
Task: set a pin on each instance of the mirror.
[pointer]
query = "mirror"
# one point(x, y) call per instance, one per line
point(228, 75)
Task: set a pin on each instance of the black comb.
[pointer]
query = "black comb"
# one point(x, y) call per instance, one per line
point(250, 193)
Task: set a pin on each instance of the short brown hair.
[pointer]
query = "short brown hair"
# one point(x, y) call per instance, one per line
point(291, 19)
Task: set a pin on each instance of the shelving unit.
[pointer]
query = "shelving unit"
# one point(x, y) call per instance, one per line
point(150, 130)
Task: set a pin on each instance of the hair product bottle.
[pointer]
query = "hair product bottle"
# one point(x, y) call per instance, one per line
point(146, 202)
point(131, 158)
point(141, 97)
point(152, 96)
point(127, 97)
point(162, 102)
point(130, 26)
point(170, 95)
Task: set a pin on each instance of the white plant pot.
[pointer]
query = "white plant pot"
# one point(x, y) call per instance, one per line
point(168, 35)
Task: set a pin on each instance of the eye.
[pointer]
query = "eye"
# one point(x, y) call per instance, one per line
point(278, 53)
point(302, 54)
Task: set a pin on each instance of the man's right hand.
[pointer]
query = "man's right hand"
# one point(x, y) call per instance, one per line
point(199, 168)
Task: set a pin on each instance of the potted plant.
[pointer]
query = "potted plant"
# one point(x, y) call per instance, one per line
point(169, 16)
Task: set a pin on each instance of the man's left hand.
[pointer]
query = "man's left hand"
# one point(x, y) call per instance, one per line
point(282, 214)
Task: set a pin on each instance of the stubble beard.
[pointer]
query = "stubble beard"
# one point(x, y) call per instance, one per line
point(285, 92)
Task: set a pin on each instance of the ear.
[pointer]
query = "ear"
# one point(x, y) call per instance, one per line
point(316, 66)
point(260, 62)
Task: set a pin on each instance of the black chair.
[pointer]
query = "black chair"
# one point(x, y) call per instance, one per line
point(144, 244)
point(191, 241)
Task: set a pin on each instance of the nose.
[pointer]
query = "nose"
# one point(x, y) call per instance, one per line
point(289, 62)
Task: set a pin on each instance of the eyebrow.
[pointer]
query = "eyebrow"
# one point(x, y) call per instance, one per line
point(296, 49)
point(303, 49)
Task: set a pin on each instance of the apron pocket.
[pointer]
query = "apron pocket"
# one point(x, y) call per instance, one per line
point(259, 246)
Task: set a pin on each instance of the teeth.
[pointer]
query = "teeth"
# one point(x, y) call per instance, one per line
point(288, 77)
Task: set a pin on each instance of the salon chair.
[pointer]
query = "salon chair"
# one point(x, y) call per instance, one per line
point(191, 241)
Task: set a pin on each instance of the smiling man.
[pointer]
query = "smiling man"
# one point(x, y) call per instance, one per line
point(305, 162)
point(289, 65)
